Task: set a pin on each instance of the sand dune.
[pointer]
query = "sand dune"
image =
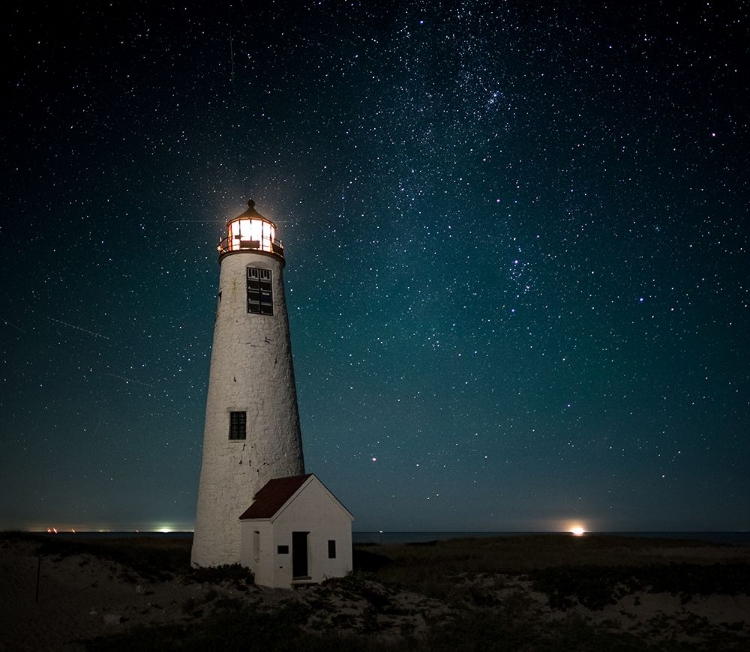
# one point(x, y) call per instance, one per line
point(81, 596)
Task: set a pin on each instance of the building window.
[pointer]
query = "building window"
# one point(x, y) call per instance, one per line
point(237, 425)
point(259, 291)
point(331, 549)
point(256, 545)
point(283, 550)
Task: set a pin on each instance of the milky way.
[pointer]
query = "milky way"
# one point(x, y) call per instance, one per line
point(517, 255)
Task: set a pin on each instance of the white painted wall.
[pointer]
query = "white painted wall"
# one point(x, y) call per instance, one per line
point(313, 510)
point(251, 370)
point(260, 562)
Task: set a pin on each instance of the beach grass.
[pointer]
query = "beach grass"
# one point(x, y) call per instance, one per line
point(521, 593)
point(151, 557)
point(551, 560)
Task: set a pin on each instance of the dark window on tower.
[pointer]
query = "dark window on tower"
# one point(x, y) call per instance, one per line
point(331, 549)
point(259, 291)
point(237, 425)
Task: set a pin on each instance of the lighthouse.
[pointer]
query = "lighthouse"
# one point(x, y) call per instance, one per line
point(252, 432)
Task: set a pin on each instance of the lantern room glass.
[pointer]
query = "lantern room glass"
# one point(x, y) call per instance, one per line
point(251, 233)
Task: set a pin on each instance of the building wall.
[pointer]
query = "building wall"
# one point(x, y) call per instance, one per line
point(313, 511)
point(251, 371)
point(261, 563)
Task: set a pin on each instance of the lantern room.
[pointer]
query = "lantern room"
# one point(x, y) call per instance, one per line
point(251, 232)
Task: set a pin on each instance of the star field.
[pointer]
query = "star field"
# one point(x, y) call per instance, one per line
point(516, 241)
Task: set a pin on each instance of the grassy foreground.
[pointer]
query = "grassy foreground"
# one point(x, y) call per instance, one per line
point(531, 593)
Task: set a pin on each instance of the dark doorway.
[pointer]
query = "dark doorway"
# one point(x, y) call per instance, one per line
point(299, 554)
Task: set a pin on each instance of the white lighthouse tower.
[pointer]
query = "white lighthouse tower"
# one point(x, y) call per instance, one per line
point(252, 432)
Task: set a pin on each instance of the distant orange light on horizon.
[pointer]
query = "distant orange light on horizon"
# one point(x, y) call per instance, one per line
point(576, 527)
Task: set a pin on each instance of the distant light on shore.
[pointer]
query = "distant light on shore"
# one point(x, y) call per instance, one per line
point(577, 531)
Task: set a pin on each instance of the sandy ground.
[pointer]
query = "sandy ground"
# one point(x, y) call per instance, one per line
point(78, 597)
point(81, 597)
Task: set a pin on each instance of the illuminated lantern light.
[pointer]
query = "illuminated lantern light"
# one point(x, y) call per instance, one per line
point(251, 232)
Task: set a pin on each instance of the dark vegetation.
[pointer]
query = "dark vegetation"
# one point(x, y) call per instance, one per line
point(595, 587)
point(232, 627)
point(154, 558)
point(592, 570)
point(470, 577)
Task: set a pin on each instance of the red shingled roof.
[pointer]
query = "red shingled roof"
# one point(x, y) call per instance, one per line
point(272, 497)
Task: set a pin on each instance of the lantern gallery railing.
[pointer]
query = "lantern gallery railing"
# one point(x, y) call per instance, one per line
point(237, 243)
point(251, 232)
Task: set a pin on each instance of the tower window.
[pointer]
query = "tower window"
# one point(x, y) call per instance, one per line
point(237, 425)
point(259, 291)
point(331, 549)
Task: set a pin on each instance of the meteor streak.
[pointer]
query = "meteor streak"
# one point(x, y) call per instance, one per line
point(129, 380)
point(12, 325)
point(78, 328)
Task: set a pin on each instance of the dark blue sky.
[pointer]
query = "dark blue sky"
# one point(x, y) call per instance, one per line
point(517, 255)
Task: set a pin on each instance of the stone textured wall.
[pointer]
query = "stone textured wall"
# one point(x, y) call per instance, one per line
point(251, 371)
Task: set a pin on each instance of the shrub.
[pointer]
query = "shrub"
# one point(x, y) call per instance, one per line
point(152, 558)
point(595, 587)
point(226, 573)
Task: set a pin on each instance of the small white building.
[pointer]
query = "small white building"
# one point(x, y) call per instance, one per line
point(296, 532)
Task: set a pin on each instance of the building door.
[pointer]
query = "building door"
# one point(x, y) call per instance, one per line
point(299, 554)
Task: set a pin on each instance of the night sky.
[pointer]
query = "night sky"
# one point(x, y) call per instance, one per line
point(517, 255)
